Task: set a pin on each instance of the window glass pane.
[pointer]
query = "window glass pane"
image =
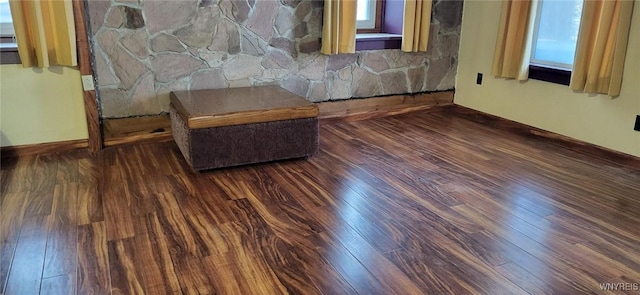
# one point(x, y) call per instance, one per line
point(363, 10)
point(6, 23)
point(5, 13)
point(558, 31)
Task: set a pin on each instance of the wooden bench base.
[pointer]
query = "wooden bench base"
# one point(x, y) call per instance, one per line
point(222, 128)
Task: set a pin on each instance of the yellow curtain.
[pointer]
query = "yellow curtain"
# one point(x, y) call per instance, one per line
point(45, 32)
point(602, 46)
point(515, 34)
point(339, 27)
point(415, 27)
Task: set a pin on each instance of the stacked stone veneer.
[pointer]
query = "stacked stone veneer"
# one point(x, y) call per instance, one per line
point(145, 49)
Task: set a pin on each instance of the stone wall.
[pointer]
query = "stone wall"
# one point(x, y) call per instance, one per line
point(146, 48)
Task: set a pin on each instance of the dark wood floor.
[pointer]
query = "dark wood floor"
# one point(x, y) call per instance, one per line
point(423, 203)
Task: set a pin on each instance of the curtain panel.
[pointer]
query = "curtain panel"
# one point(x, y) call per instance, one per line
point(416, 25)
point(339, 27)
point(45, 32)
point(602, 46)
point(515, 36)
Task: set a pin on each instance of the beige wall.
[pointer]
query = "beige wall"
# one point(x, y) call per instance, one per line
point(596, 119)
point(38, 106)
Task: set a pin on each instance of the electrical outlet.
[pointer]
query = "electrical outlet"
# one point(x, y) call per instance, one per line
point(479, 79)
point(637, 126)
point(87, 82)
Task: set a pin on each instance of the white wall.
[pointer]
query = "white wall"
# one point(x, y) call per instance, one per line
point(40, 105)
point(597, 119)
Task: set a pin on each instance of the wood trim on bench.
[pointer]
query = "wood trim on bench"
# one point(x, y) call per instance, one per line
point(252, 117)
point(236, 106)
point(42, 148)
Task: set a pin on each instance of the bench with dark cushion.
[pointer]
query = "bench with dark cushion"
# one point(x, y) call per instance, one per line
point(236, 126)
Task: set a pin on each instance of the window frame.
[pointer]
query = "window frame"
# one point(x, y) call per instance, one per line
point(373, 25)
point(549, 74)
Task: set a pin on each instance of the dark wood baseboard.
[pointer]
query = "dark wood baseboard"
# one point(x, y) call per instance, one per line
point(137, 130)
point(375, 107)
point(555, 138)
point(42, 148)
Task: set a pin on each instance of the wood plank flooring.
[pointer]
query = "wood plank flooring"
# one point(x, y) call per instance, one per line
point(422, 203)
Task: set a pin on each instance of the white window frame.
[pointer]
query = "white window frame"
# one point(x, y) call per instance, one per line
point(541, 62)
point(370, 22)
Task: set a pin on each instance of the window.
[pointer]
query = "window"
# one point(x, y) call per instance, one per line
point(366, 15)
point(379, 24)
point(556, 33)
point(369, 16)
point(6, 23)
point(554, 39)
